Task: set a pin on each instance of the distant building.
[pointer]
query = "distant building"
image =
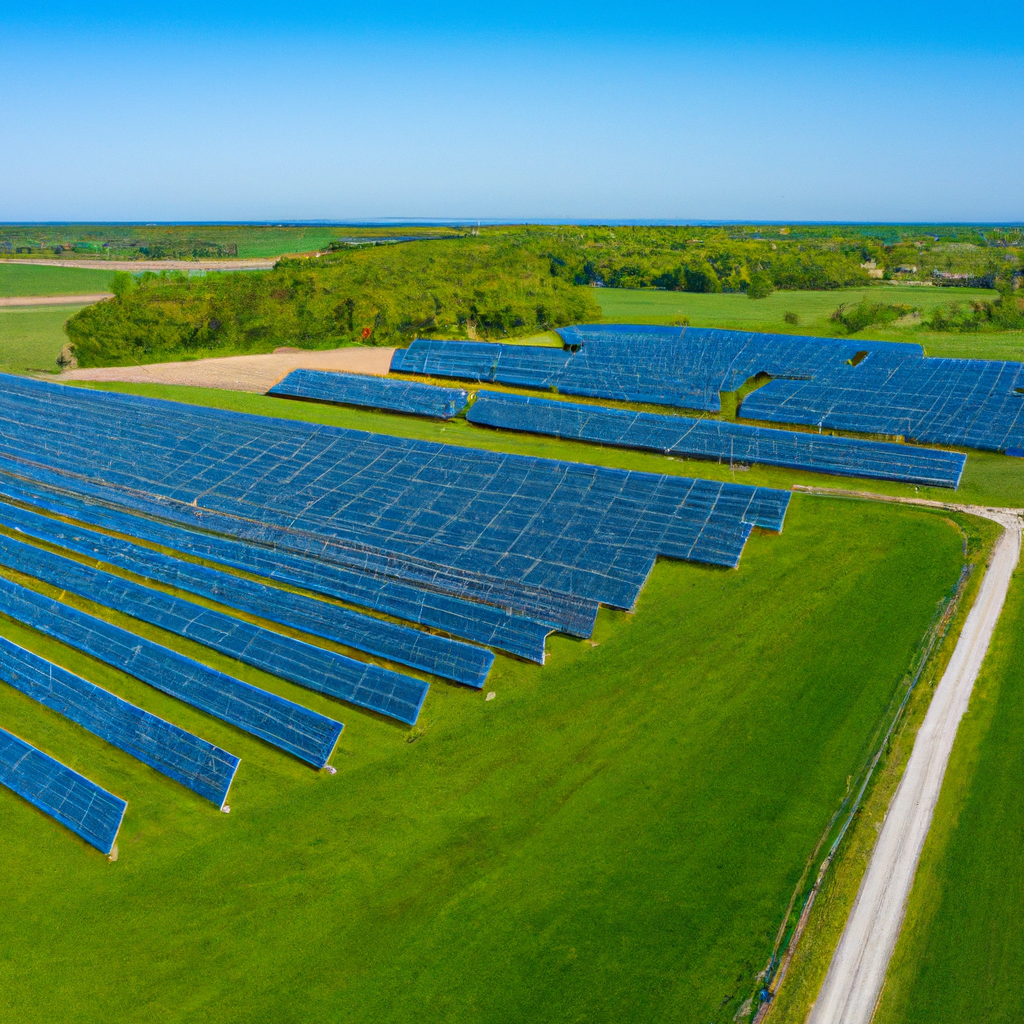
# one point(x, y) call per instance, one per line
point(908, 268)
point(873, 269)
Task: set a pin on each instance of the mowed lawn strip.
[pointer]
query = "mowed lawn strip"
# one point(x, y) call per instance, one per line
point(29, 279)
point(31, 337)
point(959, 957)
point(613, 838)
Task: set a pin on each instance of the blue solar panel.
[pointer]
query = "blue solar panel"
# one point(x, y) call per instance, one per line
point(369, 686)
point(372, 392)
point(717, 439)
point(496, 627)
point(291, 727)
point(195, 763)
point(438, 655)
point(55, 789)
point(473, 519)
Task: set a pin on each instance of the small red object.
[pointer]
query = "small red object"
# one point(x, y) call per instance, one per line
point(366, 332)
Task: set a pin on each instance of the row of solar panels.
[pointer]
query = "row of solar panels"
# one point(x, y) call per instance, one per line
point(709, 439)
point(867, 387)
point(218, 487)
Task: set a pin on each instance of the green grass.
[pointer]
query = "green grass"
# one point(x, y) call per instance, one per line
point(989, 478)
point(737, 312)
point(27, 279)
point(959, 955)
point(613, 838)
point(31, 337)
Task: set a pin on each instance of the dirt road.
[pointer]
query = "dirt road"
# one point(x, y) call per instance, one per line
point(243, 373)
point(137, 266)
point(53, 300)
point(856, 975)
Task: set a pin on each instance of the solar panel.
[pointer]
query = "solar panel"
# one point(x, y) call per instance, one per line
point(195, 763)
point(305, 734)
point(372, 392)
point(496, 627)
point(70, 798)
point(471, 519)
point(718, 439)
point(370, 686)
point(447, 658)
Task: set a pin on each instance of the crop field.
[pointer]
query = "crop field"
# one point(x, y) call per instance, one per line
point(28, 279)
point(31, 337)
point(958, 957)
point(737, 312)
point(614, 837)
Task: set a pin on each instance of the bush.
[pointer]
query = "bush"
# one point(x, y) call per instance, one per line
point(760, 285)
point(791, 318)
point(865, 314)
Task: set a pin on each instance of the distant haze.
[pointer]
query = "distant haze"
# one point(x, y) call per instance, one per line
point(768, 112)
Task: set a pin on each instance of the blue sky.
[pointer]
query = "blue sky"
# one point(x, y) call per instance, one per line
point(593, 111)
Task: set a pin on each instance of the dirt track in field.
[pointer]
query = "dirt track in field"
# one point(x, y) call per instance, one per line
point(242, 373)
point(53, 300)
point(137, 266)
point(855, 978)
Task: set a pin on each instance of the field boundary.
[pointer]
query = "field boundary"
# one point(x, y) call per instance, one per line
point(858, 966)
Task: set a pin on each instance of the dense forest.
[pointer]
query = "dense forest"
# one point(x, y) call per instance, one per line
point(386, 286)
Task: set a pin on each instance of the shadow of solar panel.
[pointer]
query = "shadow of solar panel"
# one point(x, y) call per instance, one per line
point(718, 440)
point(70, 798)
point(369, 686)
point(373, 393)
point(195, 763)
point(438, 655)
point(495, 627)
point(288, 726)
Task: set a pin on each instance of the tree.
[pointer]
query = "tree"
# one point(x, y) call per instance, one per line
point(760, 285)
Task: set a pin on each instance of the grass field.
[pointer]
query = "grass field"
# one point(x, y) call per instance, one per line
point(959, 956)
point(31, 337)
point(613, 838)
point(737, 312)
point(18, 279)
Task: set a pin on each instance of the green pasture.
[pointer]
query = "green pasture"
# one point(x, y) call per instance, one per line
point(959, 955)
point(29, 279)
point(614, 837)
point(31, 337)
point(737, 312)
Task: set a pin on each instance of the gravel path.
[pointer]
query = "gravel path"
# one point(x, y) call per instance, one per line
point(857, 973)
point(53, 300)
point(137, 266)
point(243, 373)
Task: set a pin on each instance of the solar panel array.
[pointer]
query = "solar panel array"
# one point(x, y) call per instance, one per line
point(868, 387)
point(372, 392)
point(55, 789)
point(195, 763)
point(309, 736)
point(472, 523)
point(493, 548)
point(438, 655)
point(370, 686)
point(718, 439)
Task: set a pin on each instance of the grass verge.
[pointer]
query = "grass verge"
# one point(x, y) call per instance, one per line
point(31, 337)
point(28, 279)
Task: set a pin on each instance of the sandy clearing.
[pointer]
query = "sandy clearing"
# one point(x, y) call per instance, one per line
point(242, 373)
point(137, 266)
point(856, 975)
point(54, 300)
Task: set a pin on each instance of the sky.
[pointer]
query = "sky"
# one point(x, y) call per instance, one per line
point(590, 111)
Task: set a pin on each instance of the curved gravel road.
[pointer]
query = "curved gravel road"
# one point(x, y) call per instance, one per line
point(856, 975)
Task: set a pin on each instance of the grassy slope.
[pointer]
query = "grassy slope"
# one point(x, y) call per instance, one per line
point(613, 838)
point(988, 478)
point(740, 313)
point(959, 956)
point(31, 337)
point(34, 280)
